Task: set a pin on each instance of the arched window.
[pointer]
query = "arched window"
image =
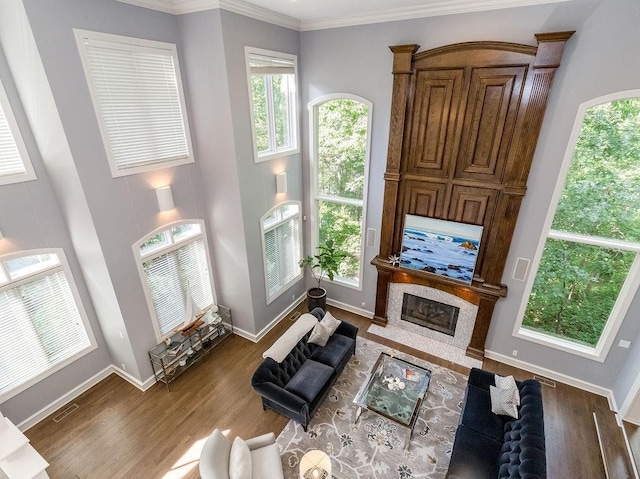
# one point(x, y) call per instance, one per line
point(43, 325)
point(174, 263)
point(340, 141)
point(589, 264)
point(281, 247)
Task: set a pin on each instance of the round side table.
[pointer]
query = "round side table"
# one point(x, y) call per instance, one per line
point(315, 464)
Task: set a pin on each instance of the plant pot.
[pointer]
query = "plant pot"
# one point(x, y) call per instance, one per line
point(317, 298)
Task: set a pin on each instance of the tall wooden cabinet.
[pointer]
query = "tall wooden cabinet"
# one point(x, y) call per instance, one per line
point(465, 120)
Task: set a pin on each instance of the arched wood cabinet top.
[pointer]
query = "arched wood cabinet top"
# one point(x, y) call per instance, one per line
point(465, 120)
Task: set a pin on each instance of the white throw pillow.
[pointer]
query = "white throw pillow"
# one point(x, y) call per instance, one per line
point(507, 382)
point(320, 334)
point(331, 322)
point(503, 402)
point(240, 460)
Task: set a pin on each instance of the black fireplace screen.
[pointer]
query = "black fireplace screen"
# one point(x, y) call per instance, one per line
point(430, 314)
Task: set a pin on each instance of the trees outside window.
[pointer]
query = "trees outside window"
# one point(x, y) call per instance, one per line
point(272, 93)
point(589, 269)
point(340, 139)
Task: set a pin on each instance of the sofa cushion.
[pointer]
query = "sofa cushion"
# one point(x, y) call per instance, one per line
point(503, 401)
point(475, 456)
point(336, 352)
point(266, 463)
point(477, 414)
point(310, 379)
point(508, 382)
point(331, 322)
point(240, 460)
point(320, 334)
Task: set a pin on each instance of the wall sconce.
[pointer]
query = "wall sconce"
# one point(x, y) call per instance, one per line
point(281, 182)
point(165, 198)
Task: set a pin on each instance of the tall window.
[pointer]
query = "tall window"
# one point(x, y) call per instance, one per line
point(340, 139)
point(589, 269)
point(15, 164)
point(137, 93)
point(174, 263)
point(272, 93)
point(281, 247)
point(43, 326)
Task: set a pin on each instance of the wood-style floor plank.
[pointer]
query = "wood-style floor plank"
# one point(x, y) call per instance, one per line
point(121, 432)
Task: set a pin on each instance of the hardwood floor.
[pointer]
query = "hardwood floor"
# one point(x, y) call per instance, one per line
point(120, 432)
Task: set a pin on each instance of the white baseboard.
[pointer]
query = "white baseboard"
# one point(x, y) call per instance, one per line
point(351, 309)
point(548, 373)
point(141, 385)
point(64, 399)
point(263, 332)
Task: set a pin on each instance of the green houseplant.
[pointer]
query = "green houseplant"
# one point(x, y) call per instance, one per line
point(325, 264)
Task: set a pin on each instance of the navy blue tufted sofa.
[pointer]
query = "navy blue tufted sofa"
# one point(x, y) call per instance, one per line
point(488, 446)
point(296, 386)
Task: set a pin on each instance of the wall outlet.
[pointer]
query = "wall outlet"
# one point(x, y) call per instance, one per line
point(121, 335)
point(293, 297)
point(124, 368)
point(624, 343)
point(363, 305)
point(515, 352)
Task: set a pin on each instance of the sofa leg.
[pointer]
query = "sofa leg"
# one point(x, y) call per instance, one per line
point(304, 428)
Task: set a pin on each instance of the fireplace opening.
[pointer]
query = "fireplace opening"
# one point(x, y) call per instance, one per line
point(430, 314)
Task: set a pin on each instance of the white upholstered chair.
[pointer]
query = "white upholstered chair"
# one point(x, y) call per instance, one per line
point(256, 458)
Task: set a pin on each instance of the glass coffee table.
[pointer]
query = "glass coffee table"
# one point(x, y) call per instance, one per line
point(394, 389)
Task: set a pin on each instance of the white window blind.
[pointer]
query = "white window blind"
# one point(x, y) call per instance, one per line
point(40, 324)
point(171, 274)
point(136, 90)
point(15, 164)
point(282, 246)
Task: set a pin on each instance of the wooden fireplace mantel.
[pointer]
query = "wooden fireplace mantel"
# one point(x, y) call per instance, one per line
point(464, 124)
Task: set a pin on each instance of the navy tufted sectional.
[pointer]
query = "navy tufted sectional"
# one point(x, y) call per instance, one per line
point(488, 446)
point(296, 386)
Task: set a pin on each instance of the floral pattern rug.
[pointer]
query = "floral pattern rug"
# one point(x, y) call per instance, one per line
point(373, 448)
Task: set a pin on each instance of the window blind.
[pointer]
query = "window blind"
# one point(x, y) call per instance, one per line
point(167, 277)
point(282, 253)
point(15, 164)
point(138, 101)
point(40, 326)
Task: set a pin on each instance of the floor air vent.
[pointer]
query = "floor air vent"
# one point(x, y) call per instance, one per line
point(65, 413)
point(545, 381)
point(295, 315)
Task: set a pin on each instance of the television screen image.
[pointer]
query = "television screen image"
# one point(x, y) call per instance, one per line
point(446, 248)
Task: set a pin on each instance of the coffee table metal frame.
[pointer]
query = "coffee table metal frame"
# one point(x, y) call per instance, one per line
point(374, 392)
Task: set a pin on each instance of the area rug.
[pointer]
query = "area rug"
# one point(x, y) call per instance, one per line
point(373, 448)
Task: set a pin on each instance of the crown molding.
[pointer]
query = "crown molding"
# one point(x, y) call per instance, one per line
point(432, 9)
point(180, 7)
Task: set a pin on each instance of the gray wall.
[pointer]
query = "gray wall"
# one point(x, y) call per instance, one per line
point(31, 219)
point(357, 60)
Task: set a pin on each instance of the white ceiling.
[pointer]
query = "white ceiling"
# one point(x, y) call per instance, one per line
point(319, 14)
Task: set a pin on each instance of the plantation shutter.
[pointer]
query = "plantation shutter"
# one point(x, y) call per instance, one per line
point(168, 276)
point(137, 97)
point(40, 326)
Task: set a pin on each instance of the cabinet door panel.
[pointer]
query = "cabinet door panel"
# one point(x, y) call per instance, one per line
point(492, 107)
point(424, 199)
point(437, 100)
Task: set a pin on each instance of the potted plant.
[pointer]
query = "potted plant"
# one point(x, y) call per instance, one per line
point(324, 264)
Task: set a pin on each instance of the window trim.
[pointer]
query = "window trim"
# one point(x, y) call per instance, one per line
point(263, 231)
point(141, 44)
point(315, 197)
point(295, 109)
point(631, 284)
point(65, 268)
point(29, 173)
point(140, 259)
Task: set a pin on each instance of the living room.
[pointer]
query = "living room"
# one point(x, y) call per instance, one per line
point(78, 206)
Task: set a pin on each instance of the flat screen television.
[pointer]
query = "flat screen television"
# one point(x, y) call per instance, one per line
point(445, 248)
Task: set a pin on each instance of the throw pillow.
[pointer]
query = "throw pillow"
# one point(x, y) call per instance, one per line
point(331, 322)
point(503, 402)
point(507, 382)
point(240, 460)
point(320, 334)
